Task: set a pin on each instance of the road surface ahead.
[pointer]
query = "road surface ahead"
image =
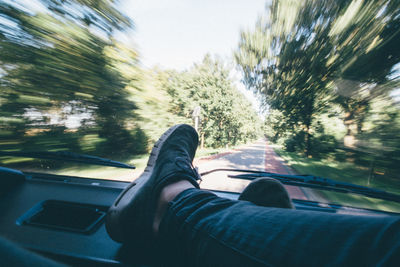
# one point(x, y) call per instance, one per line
point(257, 156)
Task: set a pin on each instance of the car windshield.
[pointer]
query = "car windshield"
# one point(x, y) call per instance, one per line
point(283, 86)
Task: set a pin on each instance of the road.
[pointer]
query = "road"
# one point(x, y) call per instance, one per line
point(257, 156)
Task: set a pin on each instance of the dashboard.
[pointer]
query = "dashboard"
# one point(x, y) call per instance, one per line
point(62, 217)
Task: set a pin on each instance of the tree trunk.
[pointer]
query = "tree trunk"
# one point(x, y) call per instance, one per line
point(202, 141)
point(350, 139)
point(307, 141)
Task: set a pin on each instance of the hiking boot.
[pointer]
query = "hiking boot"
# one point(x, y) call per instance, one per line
point(130, 218)
point(267, 192)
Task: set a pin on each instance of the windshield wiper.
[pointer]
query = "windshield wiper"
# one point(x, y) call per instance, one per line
point(312, 182)
point(68, 156)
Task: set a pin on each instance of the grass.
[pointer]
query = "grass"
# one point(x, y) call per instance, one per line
point(345, 172)
point(112, 173)
point(95, 171)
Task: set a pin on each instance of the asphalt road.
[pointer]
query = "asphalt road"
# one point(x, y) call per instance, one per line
point(257, 156)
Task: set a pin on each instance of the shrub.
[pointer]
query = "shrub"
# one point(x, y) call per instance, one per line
point(323, 144)
point(290, 145)
point(295, 142)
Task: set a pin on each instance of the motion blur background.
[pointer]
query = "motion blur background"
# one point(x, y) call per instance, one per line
point(326, 75)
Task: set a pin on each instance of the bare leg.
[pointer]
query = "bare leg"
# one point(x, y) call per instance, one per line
point(168, 193)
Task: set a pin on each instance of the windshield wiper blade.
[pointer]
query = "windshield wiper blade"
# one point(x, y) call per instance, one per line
point(68, 156)
point(313, 182)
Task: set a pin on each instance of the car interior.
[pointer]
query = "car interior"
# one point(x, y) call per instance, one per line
point(62, 217)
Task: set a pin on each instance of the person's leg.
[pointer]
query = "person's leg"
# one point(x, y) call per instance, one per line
point(132, 217)
point(201, 229)
point(198, 228)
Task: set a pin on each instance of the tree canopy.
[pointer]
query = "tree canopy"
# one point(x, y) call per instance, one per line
point(68, 84)
point(227, 118)
point(57, 65)
point(304, 57)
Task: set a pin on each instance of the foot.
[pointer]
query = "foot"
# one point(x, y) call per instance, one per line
point(131, 217)
point(267, 192)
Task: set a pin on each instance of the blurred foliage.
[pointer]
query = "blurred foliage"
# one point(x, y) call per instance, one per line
point(68, 84)
point(155, 104)
point(59, 70)
point(328, 72)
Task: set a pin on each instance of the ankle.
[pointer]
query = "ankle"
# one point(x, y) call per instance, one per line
point(167, 194)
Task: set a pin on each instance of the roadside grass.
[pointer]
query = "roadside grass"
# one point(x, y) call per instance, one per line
point(344, 172)
point(112, 173)
point(95, 171)
point(101, 172)
point(104, 172)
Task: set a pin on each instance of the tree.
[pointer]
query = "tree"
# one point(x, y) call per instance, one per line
point(300, 50)
point(366, 38)
point(226, 117)
point(283, 59)
point(56, 60)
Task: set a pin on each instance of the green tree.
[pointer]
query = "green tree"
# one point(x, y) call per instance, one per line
point(226, 117)
point(300, 51)
point(58, 62)
point(284, 60)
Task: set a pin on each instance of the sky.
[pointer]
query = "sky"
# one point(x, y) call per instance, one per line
point(176, 33)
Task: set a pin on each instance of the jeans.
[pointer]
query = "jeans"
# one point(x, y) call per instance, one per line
point(202, 229)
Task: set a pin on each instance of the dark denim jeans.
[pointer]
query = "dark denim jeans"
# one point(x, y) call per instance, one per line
point(202, 229)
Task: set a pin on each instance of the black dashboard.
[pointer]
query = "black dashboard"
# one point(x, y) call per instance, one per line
point(62, 217)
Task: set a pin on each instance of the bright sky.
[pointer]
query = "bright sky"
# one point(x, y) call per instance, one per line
point(176, 33)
